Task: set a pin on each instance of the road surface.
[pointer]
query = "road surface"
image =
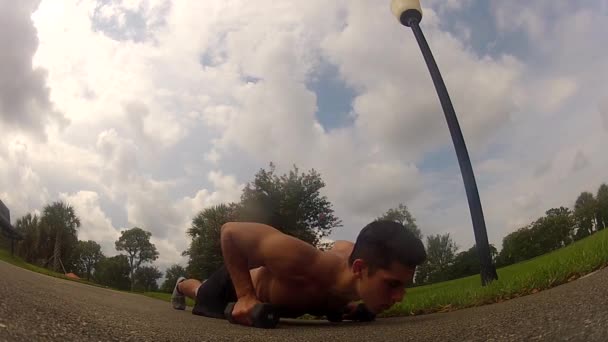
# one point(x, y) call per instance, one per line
point(35, 307)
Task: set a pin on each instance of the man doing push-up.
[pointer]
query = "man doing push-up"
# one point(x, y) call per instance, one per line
point(264, 265)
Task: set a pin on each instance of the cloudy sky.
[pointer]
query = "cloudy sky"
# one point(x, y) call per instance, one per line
point(144, 112)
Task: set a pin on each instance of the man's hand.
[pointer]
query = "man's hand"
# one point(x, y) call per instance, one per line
point(358, 312)
point(241, 313)
point(349, 311)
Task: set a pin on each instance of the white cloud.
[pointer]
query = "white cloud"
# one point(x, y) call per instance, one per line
point(226, 190)
point(24, 100)
point(603, 109)
point(94, 223)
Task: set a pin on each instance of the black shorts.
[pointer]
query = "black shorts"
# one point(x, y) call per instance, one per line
point(214, 294)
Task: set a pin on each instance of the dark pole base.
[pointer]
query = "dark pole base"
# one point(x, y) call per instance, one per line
point(488, 273)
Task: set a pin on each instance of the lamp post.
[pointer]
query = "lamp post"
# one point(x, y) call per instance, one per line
point(409, 13)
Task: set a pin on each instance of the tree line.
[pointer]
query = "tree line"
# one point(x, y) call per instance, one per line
point(51, 241)
point(293, 203)
point(558, 228)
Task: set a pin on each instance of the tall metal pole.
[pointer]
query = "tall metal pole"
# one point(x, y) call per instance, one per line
point(409, 14)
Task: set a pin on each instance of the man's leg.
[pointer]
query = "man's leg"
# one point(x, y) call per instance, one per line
point(184, 288)
point(188, 287)
point(212, 296)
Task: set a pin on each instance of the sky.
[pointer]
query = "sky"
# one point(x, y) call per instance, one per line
point(145, 112)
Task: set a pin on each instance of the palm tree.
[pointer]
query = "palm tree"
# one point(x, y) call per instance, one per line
point(28, 226)
point(62, 222)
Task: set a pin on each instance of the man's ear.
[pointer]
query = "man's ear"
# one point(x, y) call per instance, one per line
point(358, 267)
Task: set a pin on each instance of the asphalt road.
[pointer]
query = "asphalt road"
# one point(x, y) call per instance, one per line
point(34, 307)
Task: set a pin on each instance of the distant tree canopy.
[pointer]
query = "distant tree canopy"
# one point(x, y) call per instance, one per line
point(292, 203)
point(30, 248)
point(171, 275)
point(86, 256)
point(205, 253)
point(146, 278)
point(114, 272)
point(602, 207)
point(467, 263)
point(585, 214)
point(136, 243)
point(61, 223)
point(402, 215)
point(441, 251)
point(49, 239)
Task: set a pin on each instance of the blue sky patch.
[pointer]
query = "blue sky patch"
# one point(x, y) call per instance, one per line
point(136, 26)
point(334, 98)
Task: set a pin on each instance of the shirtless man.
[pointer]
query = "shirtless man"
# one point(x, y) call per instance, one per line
point(264, 265)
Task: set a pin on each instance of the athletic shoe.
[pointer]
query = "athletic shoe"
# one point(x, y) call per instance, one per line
point(178, 300)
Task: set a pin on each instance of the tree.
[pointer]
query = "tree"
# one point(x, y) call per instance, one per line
point(113, 272)
point(292, 203)
point(28, 226)
point(171, 276)
point(585, 214)
point(402, 215)
point(555, 229)
point(87, 256)
point(440, 250)
point(146, 277)
point(602, 206)
point(466, 263)
point(523, 244)
point(136, 242)
point(516, 246)
point(326, 245)
point(205, 252)
point(62, 222)
point(46, 244)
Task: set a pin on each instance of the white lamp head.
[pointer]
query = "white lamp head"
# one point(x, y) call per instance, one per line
point(406, 10)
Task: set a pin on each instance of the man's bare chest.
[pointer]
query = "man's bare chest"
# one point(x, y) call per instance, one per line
point(298, 297)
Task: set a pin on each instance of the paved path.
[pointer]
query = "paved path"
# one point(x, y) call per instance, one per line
point(34, 307)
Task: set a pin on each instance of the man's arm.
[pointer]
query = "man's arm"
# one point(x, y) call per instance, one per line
point(250, 245)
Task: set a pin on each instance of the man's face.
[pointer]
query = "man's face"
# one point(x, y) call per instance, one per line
point(385, 287)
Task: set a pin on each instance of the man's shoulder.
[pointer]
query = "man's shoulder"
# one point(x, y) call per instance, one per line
point(342, 243)
point(342, 247)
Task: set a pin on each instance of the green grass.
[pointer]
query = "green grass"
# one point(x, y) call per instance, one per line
point(17, 261)
point(6, 256)
point(530, 276)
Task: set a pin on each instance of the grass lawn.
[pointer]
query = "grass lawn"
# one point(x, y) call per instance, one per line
point(6, 256)
point(15, 260)
point(530, 276)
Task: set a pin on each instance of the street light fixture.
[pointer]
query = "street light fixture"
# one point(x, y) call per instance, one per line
point(409, 13)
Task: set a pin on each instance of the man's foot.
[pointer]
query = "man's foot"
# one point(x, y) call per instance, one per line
point(178, 300)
